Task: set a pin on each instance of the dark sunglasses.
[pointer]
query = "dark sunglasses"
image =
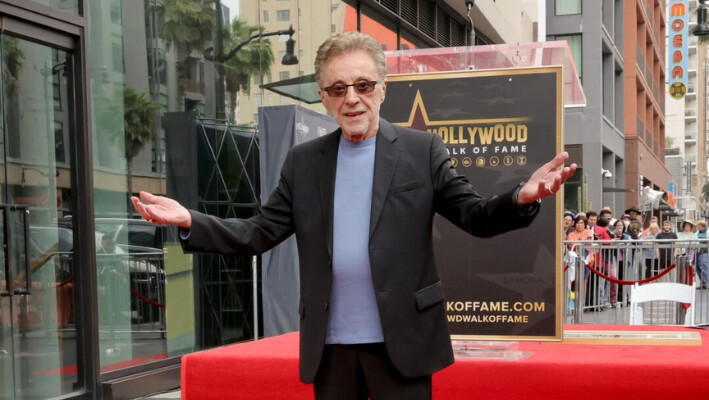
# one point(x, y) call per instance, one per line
point(360, 87)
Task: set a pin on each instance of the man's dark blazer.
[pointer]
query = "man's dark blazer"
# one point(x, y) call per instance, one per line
point(413, 180)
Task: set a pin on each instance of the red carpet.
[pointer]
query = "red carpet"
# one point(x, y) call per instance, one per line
point(268, 369)
point(265, 369)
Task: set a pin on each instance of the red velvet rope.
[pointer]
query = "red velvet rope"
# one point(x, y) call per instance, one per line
point(138, 294)
point(146, 299)
point(66, 282)
point(623, 282)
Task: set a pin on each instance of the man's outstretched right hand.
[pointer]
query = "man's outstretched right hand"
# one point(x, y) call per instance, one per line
point(162, 210)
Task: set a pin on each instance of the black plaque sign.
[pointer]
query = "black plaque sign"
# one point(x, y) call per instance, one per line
point(499, 126)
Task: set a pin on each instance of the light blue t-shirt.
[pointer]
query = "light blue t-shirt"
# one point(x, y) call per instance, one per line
point(354, 316)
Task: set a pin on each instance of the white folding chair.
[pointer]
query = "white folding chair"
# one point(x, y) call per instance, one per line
point(677, 292)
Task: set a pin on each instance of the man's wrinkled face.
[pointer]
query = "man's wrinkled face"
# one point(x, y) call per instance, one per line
point(357, 114)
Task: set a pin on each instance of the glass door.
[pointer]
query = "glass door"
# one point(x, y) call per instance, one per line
point(38, 348)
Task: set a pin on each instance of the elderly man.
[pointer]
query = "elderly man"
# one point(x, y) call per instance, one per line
point(361, 202)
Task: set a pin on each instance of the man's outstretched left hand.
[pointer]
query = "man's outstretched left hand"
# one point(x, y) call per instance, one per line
point(547, 180)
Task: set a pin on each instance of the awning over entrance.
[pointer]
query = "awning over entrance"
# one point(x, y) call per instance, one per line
point(303, 88)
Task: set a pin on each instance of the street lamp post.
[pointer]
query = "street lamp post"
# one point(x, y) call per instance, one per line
point(288, 59)
point(469, 4)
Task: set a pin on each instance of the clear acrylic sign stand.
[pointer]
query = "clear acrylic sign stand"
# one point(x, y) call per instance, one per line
point(497, 56)
point(488, 350)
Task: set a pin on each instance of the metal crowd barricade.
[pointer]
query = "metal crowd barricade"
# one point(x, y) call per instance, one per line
point(608, 269)
point(140, 277)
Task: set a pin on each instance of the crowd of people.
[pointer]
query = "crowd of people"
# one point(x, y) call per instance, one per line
point(659, 247)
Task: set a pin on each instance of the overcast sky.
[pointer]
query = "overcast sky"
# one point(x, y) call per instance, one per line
point(233, 6)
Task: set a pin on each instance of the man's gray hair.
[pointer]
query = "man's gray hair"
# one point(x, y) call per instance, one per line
point(346, 42)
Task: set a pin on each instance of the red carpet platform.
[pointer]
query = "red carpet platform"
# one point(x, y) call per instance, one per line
point(268, 369)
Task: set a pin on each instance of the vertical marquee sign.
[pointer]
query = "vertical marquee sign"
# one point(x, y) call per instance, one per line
point(678, 48)
point(499, 126)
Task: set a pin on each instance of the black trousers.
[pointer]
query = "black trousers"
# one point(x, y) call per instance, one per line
point(362, 371)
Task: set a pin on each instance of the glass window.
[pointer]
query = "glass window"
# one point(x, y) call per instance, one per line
point(117, 53)
point(57, 95)
point(116, 12)
point(163, 103)
point(127, 100)
point(37, 307)
point(68, 6)
point(576, 51)
point(162, 67)
point(567, 7)
point(283, 15)
point(59, 148)
point(155, 97)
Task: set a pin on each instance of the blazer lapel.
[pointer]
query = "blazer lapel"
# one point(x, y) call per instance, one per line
point(327, 166)
point(385, 159)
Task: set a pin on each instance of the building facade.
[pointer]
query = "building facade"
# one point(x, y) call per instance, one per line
point(619, 136)
point(686, 126)
point(645, 80)
point(594, 134)
point(104, 98)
